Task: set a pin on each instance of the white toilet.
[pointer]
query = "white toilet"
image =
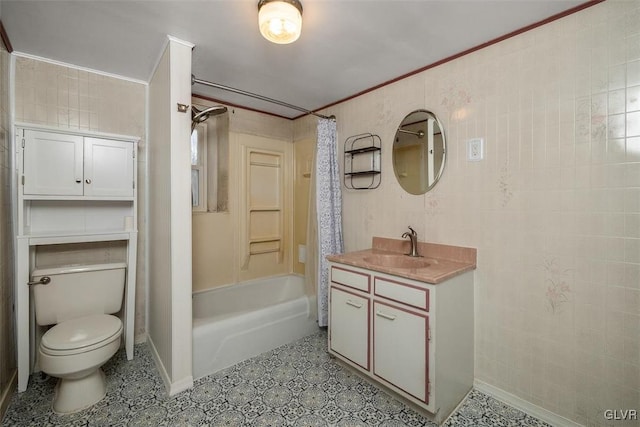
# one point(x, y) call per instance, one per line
point(79, 300)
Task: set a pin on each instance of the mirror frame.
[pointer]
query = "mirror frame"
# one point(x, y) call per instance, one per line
point(438, 173)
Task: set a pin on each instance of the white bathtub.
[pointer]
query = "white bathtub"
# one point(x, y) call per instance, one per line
point(235, 322)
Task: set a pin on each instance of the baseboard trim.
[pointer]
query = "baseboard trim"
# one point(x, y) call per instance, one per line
point(172, 388)
point(140, 338)
point(156, 358)
point(525, 406)
point(182, 385)
point(5, 399)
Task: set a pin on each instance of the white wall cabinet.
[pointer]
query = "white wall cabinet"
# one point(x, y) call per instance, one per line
point(57, 164)
point(414, 338)
point(73, 187)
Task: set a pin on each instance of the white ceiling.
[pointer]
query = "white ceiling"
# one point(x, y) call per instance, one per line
point(346, 46)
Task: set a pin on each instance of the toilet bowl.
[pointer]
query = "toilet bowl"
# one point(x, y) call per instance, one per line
point(73, 351)
point(77, 302)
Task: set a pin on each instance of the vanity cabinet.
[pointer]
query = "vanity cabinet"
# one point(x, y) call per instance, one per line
point(58, 164)
point(418, 336)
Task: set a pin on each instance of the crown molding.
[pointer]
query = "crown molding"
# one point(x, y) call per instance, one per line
point(77, 67)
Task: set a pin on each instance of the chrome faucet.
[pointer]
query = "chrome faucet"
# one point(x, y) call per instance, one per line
point(413, 236)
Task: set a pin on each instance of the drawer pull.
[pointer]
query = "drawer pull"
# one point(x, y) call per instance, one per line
point(386, 316)
point(353, 304)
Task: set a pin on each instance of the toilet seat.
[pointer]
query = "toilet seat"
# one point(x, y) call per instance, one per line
point(81, 335)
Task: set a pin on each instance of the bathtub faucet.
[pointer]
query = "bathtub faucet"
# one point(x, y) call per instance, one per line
point(413, 236)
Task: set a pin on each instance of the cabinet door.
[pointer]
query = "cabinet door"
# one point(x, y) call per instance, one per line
point(52, 164)
point(108, 168)
point(349, 326)
point(400, 352)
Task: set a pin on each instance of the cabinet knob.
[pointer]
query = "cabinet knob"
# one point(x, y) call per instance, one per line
point(78, 181)
point(88, 181)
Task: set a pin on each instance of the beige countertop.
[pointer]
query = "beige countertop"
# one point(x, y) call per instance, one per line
point(437, 264)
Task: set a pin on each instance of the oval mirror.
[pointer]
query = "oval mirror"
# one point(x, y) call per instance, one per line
point(419, 152)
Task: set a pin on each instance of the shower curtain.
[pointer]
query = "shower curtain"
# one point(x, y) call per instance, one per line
point(328, 207)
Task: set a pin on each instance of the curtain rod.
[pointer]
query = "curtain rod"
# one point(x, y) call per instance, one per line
point(194, 80)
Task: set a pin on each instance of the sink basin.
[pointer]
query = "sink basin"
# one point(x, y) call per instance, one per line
point(396, 261)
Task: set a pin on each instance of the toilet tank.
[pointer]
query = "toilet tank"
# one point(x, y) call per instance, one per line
point(78, 290)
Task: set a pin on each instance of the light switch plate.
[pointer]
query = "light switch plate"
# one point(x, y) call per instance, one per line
point(475, 149)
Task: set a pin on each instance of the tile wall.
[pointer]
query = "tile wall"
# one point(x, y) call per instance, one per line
point(553, 209)
point(54, 95)
point(7, 326)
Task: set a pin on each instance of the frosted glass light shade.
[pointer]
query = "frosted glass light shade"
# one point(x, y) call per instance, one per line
point(280, 21)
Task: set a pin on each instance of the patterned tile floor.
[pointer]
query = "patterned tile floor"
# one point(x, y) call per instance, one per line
point(294, 385)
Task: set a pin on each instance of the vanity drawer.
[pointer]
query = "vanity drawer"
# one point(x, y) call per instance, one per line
point(353, 279)
point(404, 293)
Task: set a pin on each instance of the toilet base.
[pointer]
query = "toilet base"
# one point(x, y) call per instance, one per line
point(73, 395)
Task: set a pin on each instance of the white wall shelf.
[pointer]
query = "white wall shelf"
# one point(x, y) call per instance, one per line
point(57, 238)
point(362, 162)
point(76, 198)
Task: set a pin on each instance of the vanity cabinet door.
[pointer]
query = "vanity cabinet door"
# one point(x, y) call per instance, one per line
point(400, 349)
point(349, 326)
point(52, 164)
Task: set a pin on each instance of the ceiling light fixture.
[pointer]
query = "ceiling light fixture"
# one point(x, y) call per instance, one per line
point(280, 21)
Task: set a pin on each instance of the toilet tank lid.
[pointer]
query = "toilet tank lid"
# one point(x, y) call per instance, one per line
point(77, 268)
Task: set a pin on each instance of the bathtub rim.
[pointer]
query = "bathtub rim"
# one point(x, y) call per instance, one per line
point(249, 282)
